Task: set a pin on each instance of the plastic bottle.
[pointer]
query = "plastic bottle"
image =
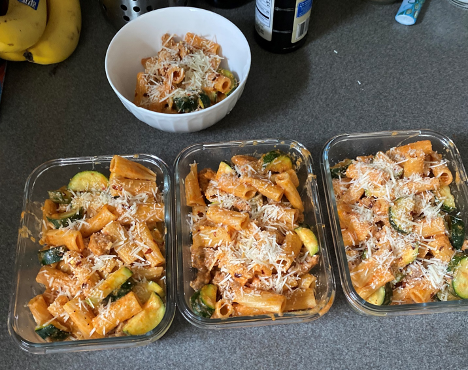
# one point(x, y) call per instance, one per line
point(281, 25)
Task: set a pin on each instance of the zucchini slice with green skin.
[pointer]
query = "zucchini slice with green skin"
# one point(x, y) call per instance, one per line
point(455, 260)
point(212, 95)
point(339, 169)
point(146, 320)
point(60, 196)
point(186, 104)
point(277, 161)
point(460, 278)
point(118, 293)
point(308, 238)
point(447, 295)
point(88, 181)
point(457, 231)
point(204, 101)
point(229, 75)
point(111, 283)
point(448, 200)
point(208, 295)
point(64, 219)
point(409, 255)
point(52, 332)
point(378, 297)
point(52, 255)
point(388, 294)
point(143, 290)
point(398, 277)
point(198, 307)
point(400, 215)
point(225, 169)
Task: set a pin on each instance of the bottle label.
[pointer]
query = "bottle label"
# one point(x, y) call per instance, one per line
point(301, 20)
point(32, 3)
point(264, 18)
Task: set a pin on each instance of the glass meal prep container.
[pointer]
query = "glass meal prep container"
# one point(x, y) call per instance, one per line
point(361, 144)
point(209, 156)
point(52, 175)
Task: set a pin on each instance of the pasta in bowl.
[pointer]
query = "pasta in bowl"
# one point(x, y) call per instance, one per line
point(183, 77)
point(215, 46)
point(97, 253)
point(252, 251)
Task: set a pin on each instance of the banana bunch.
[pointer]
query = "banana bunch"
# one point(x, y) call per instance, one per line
point(47, 35)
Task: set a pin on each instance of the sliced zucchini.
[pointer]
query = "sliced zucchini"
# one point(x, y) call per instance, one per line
point(60, 196)
point(447, 295)
point(64, 219)
point(199, 307)
point(52, 332)
point(229, 75)
point(277, 161)
point(113, 282)
point(88, 181)
point(457, 231)
point(208, 295)
point(120, 292)
point(445, 195)
point(460, 278)
point(225, 169)
point(145, 321)
point(378, 297)
point(388, 294)
point(52, 255)
point(212, 95)
point(455, 260)
point(204, 101)
point(398, 277)
point(400, 216)
point(409, 255)
point(339, 169)
point(186, 104)
point(143, 290)
point(308, 238)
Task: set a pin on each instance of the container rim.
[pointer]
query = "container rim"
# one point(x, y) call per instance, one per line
point(357, 303)
point(102, 343)
point(263, 320)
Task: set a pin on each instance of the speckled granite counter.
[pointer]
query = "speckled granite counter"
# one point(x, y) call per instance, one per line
point(359, 71)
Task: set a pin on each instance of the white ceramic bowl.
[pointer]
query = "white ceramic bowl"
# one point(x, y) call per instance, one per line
point(141, 38)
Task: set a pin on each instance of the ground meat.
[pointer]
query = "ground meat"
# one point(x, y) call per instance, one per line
point(100, 243)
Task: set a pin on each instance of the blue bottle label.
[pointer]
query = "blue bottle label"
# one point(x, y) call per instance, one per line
point(32, 3)
point(303, 8)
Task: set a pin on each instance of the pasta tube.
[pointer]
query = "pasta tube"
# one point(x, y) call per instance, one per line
point(236, 220)
point(290, 191)
point(121, 166)
point(72, 239)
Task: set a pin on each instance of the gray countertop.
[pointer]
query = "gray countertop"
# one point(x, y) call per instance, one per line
point(383, 76)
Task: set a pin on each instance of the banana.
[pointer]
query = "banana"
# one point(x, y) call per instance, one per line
point(61, 35)
point(22, 26)
point(16, 56)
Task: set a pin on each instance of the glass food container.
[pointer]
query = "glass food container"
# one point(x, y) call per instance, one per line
point(209, 155)
point(52, 175)
point(353, 145)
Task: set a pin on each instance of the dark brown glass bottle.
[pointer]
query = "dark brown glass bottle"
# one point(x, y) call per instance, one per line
point(281, 25)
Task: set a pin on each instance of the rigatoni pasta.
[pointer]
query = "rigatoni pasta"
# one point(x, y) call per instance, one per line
point(183, 77)
point(251, 254)
point(102, 256)
point(400, 226)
